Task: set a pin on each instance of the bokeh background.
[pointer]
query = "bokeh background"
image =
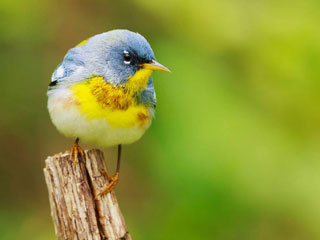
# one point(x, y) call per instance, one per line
point(234, 150)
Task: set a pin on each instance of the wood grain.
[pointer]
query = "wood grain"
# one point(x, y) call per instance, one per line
point(77, 211)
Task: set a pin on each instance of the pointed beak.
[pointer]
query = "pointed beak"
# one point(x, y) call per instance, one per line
point(154, 65)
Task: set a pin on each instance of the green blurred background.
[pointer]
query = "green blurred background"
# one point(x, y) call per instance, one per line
point(234, 150)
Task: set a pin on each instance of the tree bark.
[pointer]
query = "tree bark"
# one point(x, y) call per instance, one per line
point(77, 211)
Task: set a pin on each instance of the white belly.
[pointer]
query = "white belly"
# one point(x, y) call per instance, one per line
point(70, 122)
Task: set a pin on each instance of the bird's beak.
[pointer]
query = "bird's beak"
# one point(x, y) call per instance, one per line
point(154, 65)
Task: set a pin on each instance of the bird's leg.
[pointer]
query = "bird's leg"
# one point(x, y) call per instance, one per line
point(76, 150)
point(112, 179)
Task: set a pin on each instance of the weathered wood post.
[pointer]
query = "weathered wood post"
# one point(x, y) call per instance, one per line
point(77, 211)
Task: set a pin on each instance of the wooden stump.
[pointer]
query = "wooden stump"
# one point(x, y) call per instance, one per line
point(72, 190)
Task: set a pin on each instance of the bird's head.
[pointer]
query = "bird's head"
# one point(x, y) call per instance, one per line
point(118, 56)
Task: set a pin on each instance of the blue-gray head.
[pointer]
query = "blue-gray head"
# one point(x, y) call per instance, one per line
point(116, 55)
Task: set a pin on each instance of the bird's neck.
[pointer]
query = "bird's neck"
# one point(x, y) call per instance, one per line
point(138, 81)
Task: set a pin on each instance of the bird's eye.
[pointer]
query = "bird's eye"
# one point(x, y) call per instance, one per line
point(127, 57)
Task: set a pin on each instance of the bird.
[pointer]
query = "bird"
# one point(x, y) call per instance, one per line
point(102, 93)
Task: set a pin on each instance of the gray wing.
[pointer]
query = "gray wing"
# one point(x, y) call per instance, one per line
point(67, 69)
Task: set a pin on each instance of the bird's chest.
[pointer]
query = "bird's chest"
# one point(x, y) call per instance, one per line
point(97, 99)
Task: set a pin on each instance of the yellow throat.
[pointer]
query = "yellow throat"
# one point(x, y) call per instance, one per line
point(116, 104)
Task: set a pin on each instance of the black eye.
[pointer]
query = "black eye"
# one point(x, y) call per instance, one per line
point(127, 57)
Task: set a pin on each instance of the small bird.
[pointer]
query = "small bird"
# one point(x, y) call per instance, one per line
point(102, 93)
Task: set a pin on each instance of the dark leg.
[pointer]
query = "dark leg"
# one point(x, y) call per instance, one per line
point(119, 158)
point(113, 179)
point(76, 150)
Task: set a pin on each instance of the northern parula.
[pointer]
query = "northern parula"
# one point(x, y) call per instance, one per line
point(102, 92)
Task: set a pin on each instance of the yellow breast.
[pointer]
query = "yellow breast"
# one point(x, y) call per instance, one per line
point(97, 99)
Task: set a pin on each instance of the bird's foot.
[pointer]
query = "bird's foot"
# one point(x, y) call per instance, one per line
point(112, 181)
point(76, 151)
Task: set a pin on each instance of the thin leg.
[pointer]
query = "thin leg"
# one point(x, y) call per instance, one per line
point(112, 179)
point(76, 150)
point(119, 158)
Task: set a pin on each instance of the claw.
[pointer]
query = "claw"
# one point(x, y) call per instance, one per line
point(105, 174)
point(112, 182)
point(76, 150)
